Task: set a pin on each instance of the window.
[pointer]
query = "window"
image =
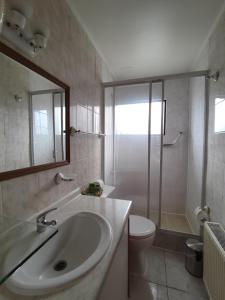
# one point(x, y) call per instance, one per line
point(41, 122)
point(219, 115)
point(132, 119)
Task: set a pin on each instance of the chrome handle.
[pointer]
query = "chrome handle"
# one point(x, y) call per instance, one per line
point(175, 141)
point(41, 217)
point(41, 220)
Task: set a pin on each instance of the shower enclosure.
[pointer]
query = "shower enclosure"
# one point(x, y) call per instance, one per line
point(47, 125)
point(154, 148)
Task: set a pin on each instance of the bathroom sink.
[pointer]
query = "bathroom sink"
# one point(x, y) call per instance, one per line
point(81, 242)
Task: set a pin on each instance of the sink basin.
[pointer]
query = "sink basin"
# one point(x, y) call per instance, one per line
point(81, 242)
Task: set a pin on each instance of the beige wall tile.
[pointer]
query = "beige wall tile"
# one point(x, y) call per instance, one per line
point(215, 188)
point(71, 57)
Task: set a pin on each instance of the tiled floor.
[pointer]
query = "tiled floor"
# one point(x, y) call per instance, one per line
point(172, 222)
point(161, 275)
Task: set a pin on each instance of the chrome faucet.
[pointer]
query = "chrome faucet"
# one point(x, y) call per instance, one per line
point(42, 222)
point(59, 177)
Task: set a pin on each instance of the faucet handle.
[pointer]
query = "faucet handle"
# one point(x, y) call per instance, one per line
point(43, 214)
point(41, 221)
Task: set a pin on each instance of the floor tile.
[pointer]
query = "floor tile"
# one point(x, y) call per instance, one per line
point(179, 278)
point(155, 269)
point(143, 290)
point(174, 294)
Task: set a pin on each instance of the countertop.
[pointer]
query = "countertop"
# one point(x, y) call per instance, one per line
point(87, 287)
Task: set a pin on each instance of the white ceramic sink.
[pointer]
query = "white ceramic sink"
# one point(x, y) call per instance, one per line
point(80, 244)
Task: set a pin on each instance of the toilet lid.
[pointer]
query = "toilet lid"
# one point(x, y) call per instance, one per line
point(140, 226)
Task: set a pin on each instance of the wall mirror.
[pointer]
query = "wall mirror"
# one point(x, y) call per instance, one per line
point(34, 117)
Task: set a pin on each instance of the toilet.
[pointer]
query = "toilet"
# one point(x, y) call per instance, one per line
point(142, 232)
point(141, 236)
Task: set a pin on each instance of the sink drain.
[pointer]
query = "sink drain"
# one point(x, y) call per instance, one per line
point(60, 265)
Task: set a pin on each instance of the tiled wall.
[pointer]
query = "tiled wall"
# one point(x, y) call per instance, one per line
point(195, 149)
point(216, 151)
point(213, 57)
point(71, 57)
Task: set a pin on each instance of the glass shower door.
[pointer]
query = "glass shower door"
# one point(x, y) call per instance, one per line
point(134, 166)
point(131, 117)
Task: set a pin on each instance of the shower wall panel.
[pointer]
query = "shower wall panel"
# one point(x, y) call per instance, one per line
point(175, 158)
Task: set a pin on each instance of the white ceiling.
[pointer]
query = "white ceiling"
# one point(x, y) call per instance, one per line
point(139, 38)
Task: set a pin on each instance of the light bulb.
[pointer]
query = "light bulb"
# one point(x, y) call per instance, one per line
point(16, 20)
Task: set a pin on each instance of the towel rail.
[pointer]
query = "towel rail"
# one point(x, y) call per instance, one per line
point(74, 131)
point(175, 140)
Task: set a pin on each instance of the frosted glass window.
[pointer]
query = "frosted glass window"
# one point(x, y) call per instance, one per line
point(131, 119)
point(156, 114)
point(58, 115)
point(219, 115)
point(41, 122)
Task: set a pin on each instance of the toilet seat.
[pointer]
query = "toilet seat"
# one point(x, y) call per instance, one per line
point(141, 227)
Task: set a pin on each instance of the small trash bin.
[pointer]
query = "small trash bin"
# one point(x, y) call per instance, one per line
point(194, 257)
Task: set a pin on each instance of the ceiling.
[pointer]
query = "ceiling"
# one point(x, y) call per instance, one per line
point(139, 38)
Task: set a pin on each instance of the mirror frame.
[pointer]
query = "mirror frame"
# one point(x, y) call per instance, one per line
point(30, 65)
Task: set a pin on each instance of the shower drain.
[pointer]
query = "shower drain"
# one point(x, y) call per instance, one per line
point(60, 265)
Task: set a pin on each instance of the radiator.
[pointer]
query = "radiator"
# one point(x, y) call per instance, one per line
point(214, 260)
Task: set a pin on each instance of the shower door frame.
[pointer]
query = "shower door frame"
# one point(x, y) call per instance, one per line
point(161, 151)
point(150, 81)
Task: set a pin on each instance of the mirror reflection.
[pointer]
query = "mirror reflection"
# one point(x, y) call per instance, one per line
point(32, 118)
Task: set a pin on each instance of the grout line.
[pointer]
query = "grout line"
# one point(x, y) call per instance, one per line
point(165, 266)
point(168, 250)
point(139, 277)
point(167, 291)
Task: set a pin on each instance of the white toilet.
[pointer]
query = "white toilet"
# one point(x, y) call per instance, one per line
point(142, 232)
point(141, 236)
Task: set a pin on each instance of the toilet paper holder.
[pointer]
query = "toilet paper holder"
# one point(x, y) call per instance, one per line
point(202, 214)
